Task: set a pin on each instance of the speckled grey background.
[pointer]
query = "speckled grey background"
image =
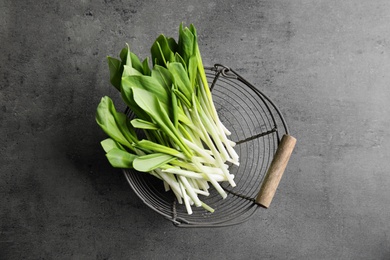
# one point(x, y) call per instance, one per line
point(325, 63)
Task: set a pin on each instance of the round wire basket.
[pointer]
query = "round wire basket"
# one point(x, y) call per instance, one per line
point(263, 144)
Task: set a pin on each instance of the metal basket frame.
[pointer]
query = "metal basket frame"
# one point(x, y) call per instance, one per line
point(167, 206)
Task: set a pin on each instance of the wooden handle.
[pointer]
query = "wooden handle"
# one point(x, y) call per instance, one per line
point(275, 171)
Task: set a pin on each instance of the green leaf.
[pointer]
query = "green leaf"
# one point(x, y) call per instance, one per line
point(186, 43)
point(121, 159)
point(125, 126)
point(193, 30)
point(135, 62)
point(192, 70)
point(152, 146)
point(156, 84)
point(116, 124)
point(180, 59)
point(123, 123)
point(143, 124)
point(109, 144)
point(127, 96)
point(163, 76)
point(148, 83)
point(115, 68)
point(145, 67)
point(182, 97)
point(106, 120)
point(152, 161)
point(200, 66)
point(175, 110)
point(151, 105)
point(181, 79)
point(129, 64)
point(161, 51)
point(123, 54)
point(172, 44)
point(129, 71)
point(157, 55)
point(183, 118)
point(132, 65)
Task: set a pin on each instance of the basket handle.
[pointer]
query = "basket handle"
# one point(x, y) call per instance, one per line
point(275, 171)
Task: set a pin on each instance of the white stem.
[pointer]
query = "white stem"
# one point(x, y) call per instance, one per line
point(170, 179)
point(202, 152)
point(186, 199)
point(185, 173)
point(212, 181)
point(190, 191)
point(201, 192)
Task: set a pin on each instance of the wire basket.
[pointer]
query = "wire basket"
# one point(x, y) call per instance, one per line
point(263, 144)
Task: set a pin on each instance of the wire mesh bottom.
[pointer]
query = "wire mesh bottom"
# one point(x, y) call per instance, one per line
point(256, 126)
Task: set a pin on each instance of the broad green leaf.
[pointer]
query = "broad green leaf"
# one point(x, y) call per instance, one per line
point(163, 76)
point(107, 122)
point(193, 30)
point(146, 163)
point(125, 126)
point(154, 85)
point(129, 64)
point(180, 59)
point(186, 43)
point(132, 65)
point(193, 70)
point(120, 159)
point(151, 105)
point(148, 102)
point(161, 51)
point(109, 144)
point(122, 123)
point(135, 62)
point(157, 55)
point(143, 124)
point(130, 59)
point(181, 79)
point(172, 44)
point(130, 71)
point(115, 68)
point(123, 54)
point(127, 96)
point(148, 83)
point(145, 67)
point(115, 124)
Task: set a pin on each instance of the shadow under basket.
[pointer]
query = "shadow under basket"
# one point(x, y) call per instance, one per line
point(263, 144)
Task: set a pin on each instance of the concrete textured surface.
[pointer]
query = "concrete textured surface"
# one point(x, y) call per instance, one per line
point(325, 63)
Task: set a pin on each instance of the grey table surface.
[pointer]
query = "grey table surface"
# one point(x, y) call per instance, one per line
point(325, 63)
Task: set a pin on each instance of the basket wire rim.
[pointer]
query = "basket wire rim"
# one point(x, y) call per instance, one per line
point(169, 210)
